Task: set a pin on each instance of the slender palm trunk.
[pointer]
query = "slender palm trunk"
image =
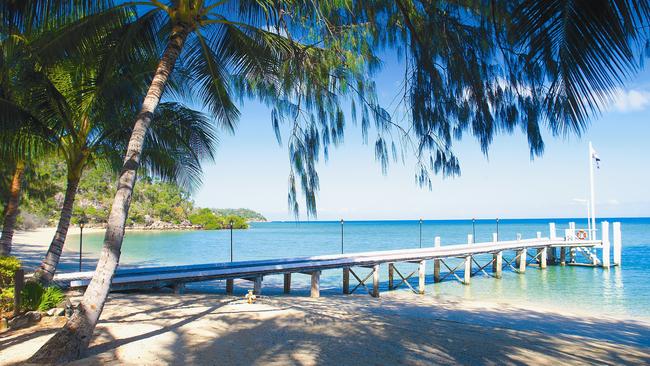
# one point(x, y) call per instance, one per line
point(45, 272)
point(70, 342)
point(11, 212)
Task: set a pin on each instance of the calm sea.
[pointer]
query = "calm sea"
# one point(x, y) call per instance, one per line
point(623, 290)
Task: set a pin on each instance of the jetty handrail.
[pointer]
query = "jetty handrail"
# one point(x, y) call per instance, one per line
point(311, 263)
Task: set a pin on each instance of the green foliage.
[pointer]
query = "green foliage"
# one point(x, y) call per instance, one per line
point(245, 213)
point(31, 295)
point(207, 219)
point(210, 220)
point(153, 200)
point(237, 222)
point(51, 298)
point(6, 299)
point(8, 268)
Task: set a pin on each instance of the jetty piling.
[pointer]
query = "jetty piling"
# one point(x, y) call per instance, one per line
point(522, 260)
point(537, 252)
point(436, 262)
point(499, 264)
point(315, 284)
point(495, 238)
point(287, 283)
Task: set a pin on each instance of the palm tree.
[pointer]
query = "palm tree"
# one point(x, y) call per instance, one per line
point(81, 97)
point(222, 38)
point(458, 55)
point(92, 113)
point(11, 209)
point(23, 136)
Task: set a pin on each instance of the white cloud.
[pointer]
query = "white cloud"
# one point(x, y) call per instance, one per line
point(630, 100)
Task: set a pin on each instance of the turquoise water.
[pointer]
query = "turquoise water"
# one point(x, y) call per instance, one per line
point(623, 290)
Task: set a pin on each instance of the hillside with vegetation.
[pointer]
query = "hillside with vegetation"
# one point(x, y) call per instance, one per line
point(155, 204)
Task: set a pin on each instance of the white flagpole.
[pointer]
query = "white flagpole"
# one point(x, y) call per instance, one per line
point(593, 194)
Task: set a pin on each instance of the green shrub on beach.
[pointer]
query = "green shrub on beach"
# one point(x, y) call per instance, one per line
point(51, 298)
point(8, 268)
point(6, 299)
point(31, 295)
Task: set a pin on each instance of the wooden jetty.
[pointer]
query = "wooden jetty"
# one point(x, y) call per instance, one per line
point(486, 258)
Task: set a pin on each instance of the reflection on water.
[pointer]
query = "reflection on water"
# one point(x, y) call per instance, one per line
point(621, 290)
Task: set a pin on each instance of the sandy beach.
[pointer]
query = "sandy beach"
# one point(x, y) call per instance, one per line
point(398, 328)
point(160, 328)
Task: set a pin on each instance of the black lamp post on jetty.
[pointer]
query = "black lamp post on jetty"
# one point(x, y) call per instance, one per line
point(82, 223)
point(473, 231)
point(231, 255)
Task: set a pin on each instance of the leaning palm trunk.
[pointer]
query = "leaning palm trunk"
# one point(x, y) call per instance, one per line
point(46, 271)
point(11, 212)
point(70, 342)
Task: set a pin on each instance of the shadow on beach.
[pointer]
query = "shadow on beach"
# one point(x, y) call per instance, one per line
point(398, 328)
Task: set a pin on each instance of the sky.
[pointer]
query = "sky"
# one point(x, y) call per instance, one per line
point(251, 170)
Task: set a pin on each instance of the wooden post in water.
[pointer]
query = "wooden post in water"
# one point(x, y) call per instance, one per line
point(468, 262)
point(494, 255)
point(543, 258)
point(618, 243)
point(391, 272)
point(375, 280)
point(229, 286)
point(257, 285)
point(522, 260)
point(421, 277)
point(346, 280)
point(179, 288)
point(606, 244)
point(19, 284)
point(468, 270)
point(436, 262)
point(539, 251)
point(315, 284)
point(499, 263)
point(287, 283)
point(518, 257)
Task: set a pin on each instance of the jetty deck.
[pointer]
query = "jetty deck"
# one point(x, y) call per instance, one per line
point(487, 258)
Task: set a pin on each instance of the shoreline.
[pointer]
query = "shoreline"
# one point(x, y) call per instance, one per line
point(398, 328)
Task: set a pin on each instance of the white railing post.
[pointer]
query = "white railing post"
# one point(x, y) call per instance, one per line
point(616, 228)
point(468, 262)
point(553, 236)
point(606, 245)
point(551, 231)
point(436, 262)
point(494, 255)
